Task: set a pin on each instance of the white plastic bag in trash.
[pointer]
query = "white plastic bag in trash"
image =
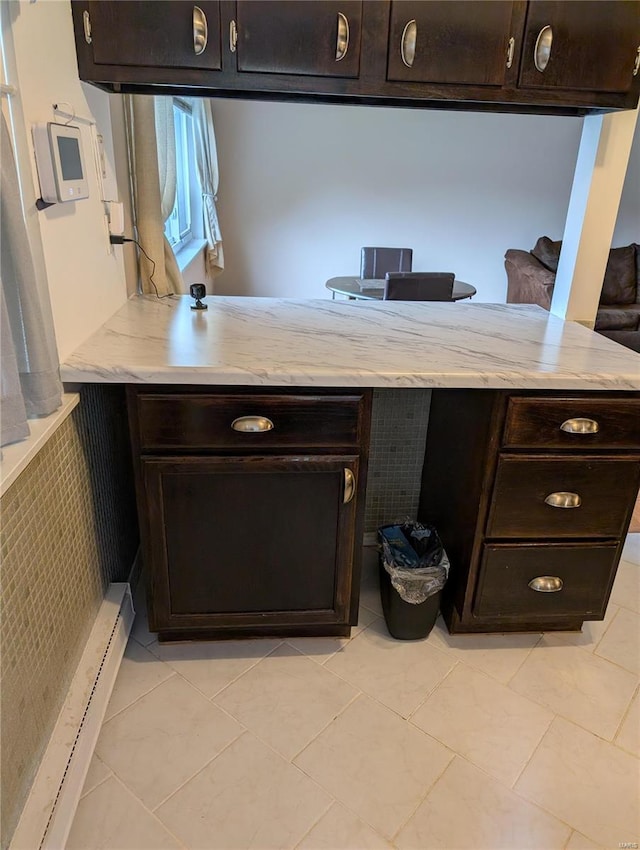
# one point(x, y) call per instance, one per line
point(415, 559)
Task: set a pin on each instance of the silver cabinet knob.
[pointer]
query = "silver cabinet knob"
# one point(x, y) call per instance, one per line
point(636, 64)
point(342, 41)
point(510, 51)
point(233, 36)
point(563, 500)
point(408, 43)
point(546, 584)
point(200, 31)
point(542, 49)
point(349, 485)
point(252, 424)
point(580, 425)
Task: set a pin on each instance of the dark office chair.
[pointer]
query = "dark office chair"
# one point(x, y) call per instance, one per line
point(419, 286)
point(376, 262)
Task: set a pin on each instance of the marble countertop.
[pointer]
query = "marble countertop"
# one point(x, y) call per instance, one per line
point(306, 343)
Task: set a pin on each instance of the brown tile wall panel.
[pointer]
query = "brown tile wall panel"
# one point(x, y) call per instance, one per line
point(68, 529)
point(398, 434)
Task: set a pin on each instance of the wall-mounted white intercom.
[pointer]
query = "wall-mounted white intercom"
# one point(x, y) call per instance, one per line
point(61, 170)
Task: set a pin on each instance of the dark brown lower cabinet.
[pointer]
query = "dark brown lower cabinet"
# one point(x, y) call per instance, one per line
point(532, 495)
point(261, 539)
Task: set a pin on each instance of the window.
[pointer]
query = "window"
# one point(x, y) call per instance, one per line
point(178, 228)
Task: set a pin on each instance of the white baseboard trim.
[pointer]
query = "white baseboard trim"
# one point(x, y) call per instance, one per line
point(48, 813)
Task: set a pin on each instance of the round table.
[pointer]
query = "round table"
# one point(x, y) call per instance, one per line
point(350, 286)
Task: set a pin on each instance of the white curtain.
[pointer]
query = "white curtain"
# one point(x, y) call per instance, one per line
point(152, 140)
point(208, 175)
point(30, 382)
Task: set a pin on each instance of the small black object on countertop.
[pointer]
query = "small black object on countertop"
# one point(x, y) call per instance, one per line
point(198, 291)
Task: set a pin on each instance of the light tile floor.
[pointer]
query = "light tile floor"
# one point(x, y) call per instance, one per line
point(482, 742)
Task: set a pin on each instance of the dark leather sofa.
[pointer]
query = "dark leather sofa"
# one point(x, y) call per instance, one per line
point(531, 277)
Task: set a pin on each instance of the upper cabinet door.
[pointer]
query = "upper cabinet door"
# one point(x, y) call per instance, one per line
point(450, 42)
point(172, 34)
point(310, 37)
point(581, 45)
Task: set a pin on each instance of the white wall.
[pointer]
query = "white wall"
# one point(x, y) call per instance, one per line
point(304, 186)
point(86, 282)
point(627, 228)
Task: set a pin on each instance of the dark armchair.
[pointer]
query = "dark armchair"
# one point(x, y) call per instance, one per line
point(531, 276)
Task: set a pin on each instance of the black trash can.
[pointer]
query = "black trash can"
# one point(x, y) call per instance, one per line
point(418, 567)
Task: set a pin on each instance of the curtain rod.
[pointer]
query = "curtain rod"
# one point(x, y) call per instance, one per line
point(8, 90)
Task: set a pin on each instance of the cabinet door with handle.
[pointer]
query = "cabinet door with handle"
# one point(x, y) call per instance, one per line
point(171, 34)
point(298, 37)
point(451, 42)
point(250, 542)
point(593, 46)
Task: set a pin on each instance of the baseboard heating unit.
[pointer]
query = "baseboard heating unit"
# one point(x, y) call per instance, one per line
point(48, 813)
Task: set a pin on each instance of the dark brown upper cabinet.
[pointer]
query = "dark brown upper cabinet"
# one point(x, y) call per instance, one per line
point(457, 43)
point(299, 37)
point(588, 46)
point(458, 54)
point(170, 34)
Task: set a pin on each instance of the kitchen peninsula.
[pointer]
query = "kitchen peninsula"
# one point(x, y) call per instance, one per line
point(250, 431)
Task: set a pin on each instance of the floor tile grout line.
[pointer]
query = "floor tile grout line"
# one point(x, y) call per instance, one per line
point(140, 644)
point(475, 666)
point(316, 822)
point(571, 719)
point(136, 700)
point(204, 694)
point(149, 811)
point(567, 842)
point(521, 796)
point(432, 785)
point(357, 815)
point(603, 657)
point(524, 660)
point(463, 755)
point(618, 666)
point(624, 718)
point(538, 805)
point(197, 772)
point(84, 793)
point(341, 802)
point(428, 696)
point(378, 700)
point(324, 728)
point(303, 655)
point(534, 750)
point(615, 614)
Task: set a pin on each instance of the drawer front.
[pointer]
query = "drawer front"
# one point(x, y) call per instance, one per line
point(602, 423)
point(606, 487)
point(201, 421)
point(583, 572)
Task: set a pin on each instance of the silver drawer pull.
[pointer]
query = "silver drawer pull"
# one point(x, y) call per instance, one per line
point(342, 41)
point(252, 423)
point(510, 51)
point(349, 485)
point(408, 43)
point(563, 500)
point(200, 31)
point(86, 24)
point(579, 425)
point(542, 49)
point(546, 584)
